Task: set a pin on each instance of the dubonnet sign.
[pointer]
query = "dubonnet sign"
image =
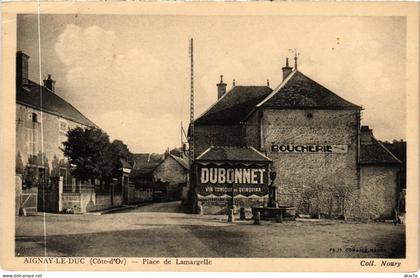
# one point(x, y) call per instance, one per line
point(221, 180)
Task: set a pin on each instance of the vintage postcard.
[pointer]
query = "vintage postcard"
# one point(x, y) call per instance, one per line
point(210, 136)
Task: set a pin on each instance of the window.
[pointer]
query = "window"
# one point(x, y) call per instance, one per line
point(63, 126)
point(62, 131)
point(34, 117)
point(32, 140)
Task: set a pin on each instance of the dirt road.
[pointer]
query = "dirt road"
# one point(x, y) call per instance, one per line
point(159, 230)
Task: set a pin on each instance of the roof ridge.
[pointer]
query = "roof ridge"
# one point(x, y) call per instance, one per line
point(44, 89)
point(233, 153)
point(203, 153)
point(228, 93)
point(260, 153)
point(277, 89)
point(330, 90)
point(178, 160)
point(300, 94)
point(386, 149)
point(214, 104)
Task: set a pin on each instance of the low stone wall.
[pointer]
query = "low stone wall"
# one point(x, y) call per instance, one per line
point(88, 201)
point(72, 202)
point(25, 198)
point(118, 200)
point(142, 195)
point(103, 201)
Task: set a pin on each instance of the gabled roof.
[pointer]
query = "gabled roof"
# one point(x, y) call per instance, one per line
point(298, 91)
point(144, 164)
point(234, 106)
point(144, 161)
point(183, 162)
point(125, 164)
point(374, 152)
point(244, 154)
point(30, 95)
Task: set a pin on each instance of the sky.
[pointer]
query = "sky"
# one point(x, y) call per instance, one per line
point(130, 74)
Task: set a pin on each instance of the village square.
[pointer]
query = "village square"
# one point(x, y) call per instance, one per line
point(284, 169)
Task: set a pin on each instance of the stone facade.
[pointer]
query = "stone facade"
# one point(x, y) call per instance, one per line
point(170, 178)
point(170, 171)
point(217, 135)
point(358, 179)
point(378, 193)
point(43, 119)
point(298, 174)
point(32, 138)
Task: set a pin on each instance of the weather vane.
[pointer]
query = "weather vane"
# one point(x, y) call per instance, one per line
point(296, 53)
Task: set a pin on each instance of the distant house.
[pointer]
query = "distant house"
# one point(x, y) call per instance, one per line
point(170, 177)
point(143, 166)
point(165, 175)
point(141, 176)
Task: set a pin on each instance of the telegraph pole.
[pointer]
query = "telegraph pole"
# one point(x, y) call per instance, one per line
point(191, 141)
point(193, 202)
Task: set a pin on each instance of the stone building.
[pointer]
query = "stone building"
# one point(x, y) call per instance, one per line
point(42, 121)
point(170, 177)
point(43, 177)
point(326, 163)
point(161, 178)
point(42, 118)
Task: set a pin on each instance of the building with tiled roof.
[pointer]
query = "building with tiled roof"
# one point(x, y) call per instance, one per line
point(43, 118)
point(373, 152)
point(325, 162)
point(49, 102)
point(234, 106)
point(165, 175)
point(300, 92)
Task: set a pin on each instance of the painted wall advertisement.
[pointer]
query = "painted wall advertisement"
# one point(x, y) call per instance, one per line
point(308, 149)
point(215, 181)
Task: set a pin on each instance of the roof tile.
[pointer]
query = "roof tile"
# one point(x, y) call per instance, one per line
point(49, 102)
point(245, 154)
point(301, 92)
point(235, 105)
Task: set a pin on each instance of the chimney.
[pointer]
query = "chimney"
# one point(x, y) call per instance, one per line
point(366, 135)
point(167, 153)
point(49, 83)
point(221, 88)
point(287, 69)
point(22, 74)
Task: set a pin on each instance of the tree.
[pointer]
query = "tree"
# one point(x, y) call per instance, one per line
point(86, 149)
point(116, 152)
point(93, 155)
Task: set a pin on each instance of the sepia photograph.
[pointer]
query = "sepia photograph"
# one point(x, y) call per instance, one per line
point(197, 137)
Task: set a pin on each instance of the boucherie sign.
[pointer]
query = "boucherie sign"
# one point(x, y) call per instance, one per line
point(308, 148)
point(245, 180)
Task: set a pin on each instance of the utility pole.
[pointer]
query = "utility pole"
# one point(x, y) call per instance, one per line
point(191, 141)
point(191, 177)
